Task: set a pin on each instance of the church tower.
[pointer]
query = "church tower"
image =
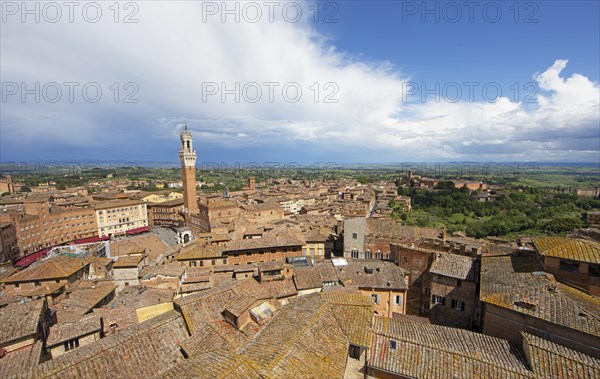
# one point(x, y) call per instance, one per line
point(187, 157)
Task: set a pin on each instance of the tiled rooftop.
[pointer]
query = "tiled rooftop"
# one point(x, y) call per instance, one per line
point(207, 305)
point(455, 266)
point(18, 361)
point(56, 268)
point(569, 248)
point(128, 261)
point(550, 360)
point(419, 350)
point(82, 299)
point(64, 332)
point(19, 320)
point(517, 282)
point(199, 252)
point(144, 350)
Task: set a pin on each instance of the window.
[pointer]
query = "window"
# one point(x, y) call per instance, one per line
point(594, 270)
point(426, 308)
point(376, 298)
point(368, 255)
point(570, 266)
point(458, 282)
point(436, 299)
point(458, 305)
point(392, 344)
point(398, 300)
point(354, 253)
point(378, 254)
point(354, 236)
point(427, 291)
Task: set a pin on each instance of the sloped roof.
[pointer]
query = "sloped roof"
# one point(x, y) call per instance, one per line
point(280, 288)
point(214, 336)
point(305, 339)
point(551, 360)
point(128, 261)
point(263, 243)
point(64, 332)
point(302, 340)
point(208, 305)
point(455, 266)
point(215, 364)
point(434, 351)
point(19, 320)
point(353, 312)
point(82, 299)
point(372, 274)
point(20, 360)
point(199, 252)
point(518, 283)
point(143, 350)
point(569, 248)
point(60, 267)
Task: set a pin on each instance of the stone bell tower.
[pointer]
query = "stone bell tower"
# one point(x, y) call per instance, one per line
point(187, 157)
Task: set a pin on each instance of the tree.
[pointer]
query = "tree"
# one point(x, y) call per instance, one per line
point(363, 179)
point(562, 224)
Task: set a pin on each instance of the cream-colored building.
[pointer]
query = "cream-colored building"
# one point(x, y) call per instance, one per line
point(117, 217)
point(293, 205)
point(161, 197)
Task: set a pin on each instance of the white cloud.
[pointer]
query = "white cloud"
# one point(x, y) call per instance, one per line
point(170, 53)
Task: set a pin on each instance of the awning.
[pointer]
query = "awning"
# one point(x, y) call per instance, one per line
point(89, 240)
point(262, 311)
point(143, 229)
point(29, 259)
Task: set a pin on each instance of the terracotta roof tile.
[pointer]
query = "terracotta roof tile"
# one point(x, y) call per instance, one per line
point(18, 361)
point(517, 282)
point(551, 360)
point(455, 266)
point(19, 320)
point(414, 349)
point(569, 248)
point(56, 268)
point(144, 350)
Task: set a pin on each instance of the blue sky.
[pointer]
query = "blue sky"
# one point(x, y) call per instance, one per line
point(374, 59)
point(505, 51)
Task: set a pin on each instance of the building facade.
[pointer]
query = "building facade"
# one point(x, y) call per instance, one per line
point(115, 218)
point(8, 242)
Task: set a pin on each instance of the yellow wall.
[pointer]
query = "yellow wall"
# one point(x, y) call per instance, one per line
point(386, 306)
point(319, 249)
point(161, 198)
point(147, 313)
